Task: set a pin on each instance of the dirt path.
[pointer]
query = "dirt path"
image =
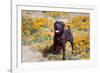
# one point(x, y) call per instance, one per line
point(31, 55)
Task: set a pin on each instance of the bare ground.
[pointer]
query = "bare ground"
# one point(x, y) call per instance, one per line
point(32, 55)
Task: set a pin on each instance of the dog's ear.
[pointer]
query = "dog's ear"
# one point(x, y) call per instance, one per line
point(55, 22)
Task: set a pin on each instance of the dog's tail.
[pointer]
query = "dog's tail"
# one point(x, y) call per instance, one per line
point(69, 28)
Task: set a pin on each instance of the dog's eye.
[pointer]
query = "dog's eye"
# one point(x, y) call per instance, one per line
point(57, 24)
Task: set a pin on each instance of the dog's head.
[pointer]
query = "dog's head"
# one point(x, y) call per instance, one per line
point(59, 27)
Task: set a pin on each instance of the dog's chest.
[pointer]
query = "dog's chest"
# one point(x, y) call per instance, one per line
point(60, 39)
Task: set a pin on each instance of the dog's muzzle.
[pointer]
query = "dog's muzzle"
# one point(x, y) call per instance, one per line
point(57, 31)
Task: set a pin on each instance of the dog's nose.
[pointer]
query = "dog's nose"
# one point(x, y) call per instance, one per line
point(57, 27)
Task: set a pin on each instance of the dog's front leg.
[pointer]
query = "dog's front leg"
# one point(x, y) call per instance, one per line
point(63, 52)
point(55, 49)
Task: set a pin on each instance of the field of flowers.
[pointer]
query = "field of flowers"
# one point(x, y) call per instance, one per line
point(38, 33)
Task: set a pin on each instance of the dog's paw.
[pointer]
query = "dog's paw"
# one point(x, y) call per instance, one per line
point(63, 58)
